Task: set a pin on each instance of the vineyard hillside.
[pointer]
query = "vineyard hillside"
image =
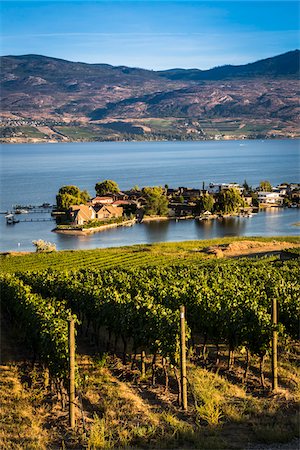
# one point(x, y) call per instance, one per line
point(229, 307)
point(145, 254)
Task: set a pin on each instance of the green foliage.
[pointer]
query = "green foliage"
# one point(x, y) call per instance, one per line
point(43, 322)
point(246, 185)
point(229, 201)
point(207, 202)
point(126, 257)
point(265, 186)
point(135, 188)
point(229, 302)
point(106, 187)
point(157, 202)
point(70, 195)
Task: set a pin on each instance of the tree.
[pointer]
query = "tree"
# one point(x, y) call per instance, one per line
point(135, 188)
point(207, 202)
point(246, 187)
point(229, 200)
point(106, 187)
point(157, 202)
point(71, 195)
point(265, 186)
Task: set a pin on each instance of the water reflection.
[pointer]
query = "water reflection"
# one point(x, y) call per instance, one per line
point(273, 222)
point(156, 231)
point(231, 226)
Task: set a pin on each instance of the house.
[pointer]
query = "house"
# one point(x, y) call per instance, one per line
point(81, 214)
point(121, 196)
point(216, 188)
point(189, 193)
point(248, 199)
point(108, 212)
point(270, 198)
point(123, 202)
point(103, 200)
point(182, 209)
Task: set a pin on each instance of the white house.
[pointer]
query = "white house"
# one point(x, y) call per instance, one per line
point(270, 198)
point(216, 188)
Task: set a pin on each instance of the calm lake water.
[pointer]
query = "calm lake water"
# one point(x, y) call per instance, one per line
point(33, 173)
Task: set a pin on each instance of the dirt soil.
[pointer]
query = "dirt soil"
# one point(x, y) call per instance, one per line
point(246, 248)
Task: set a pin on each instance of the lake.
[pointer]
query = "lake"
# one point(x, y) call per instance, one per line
point(33, 173)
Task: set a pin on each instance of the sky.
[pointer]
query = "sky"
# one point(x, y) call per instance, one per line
point(156, 34)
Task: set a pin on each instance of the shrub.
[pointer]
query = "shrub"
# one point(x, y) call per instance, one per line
point(44, 246)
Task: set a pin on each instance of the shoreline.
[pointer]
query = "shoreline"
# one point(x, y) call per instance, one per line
point(54, 141)
point(85, 231)
point(292, 241)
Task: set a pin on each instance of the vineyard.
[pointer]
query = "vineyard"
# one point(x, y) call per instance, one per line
point(125, 257)
point(130, 313)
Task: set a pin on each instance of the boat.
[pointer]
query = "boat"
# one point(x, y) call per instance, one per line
point(10, 219)
point(21, 211)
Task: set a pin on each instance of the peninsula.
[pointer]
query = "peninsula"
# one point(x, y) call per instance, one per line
point(77, 213)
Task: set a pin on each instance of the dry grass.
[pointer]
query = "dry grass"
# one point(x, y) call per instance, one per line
point(21, 424)
point(119, 410)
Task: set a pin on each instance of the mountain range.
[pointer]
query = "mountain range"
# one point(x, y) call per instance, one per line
point(44, 98)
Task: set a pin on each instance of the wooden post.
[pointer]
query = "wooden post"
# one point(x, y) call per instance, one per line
point(183, 359)
point(71, 373)
point(143, 363)
point(274, 347)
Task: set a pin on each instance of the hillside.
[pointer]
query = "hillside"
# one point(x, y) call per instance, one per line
point(47, 98)
point(128, 390)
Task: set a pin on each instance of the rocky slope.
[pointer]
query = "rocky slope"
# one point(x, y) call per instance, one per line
point(261, 98)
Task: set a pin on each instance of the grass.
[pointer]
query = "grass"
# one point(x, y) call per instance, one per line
point(222, 414)
point(136, 255)
point(122, 410)
point(21, 424)
point(160, 124)
point(31, 132)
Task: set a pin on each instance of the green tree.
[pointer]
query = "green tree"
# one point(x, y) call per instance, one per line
point(157, 202)
point(246, 187)
point(207, 202)
point(106, 187)
point(265, 186)
point(229, 200)
point(135, 188)
point(71, 195)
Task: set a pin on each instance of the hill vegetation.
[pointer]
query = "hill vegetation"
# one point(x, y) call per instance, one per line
point(46, 98)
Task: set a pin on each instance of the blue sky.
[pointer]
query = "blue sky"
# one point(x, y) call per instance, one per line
point(151, 34)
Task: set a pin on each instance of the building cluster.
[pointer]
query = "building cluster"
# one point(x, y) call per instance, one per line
point(183, 201)
point(280, 194)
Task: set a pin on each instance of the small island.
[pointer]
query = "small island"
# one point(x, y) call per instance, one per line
point(78, 213)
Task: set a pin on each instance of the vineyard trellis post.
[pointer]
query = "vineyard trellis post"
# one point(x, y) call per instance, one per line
point(183, 359)
point(274, 346)
point(71, 372)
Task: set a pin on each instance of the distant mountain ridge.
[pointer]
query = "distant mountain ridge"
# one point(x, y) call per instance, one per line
point(285, 65)
point(47, 89)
